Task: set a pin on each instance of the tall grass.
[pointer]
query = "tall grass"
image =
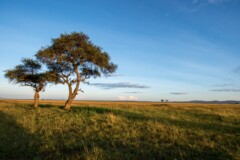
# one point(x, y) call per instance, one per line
point(108, 130)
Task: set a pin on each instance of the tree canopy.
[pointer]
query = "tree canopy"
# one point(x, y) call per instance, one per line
point(73, 58)
point(29, 74)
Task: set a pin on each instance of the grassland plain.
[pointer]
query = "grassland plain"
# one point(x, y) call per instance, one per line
point(119, 130)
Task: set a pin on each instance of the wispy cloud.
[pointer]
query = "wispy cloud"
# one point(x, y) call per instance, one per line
point(217, 1)
point(224, 85)
point(133, 92)
point(236, 70)
point(225, 90)
point(195, 1)
point(178, 93)
point(209, 1)
point(119, 85)
point(198, 4)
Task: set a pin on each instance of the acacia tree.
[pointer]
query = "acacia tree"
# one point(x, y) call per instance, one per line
point(28, 74)
point(73, 58)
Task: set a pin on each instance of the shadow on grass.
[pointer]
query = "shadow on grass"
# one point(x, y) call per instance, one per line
point(50, 106)
point(147, 150)
point(15, 141)
point(204, 116)
point(115, 148)
point(45, 106)
point(161, 105)
point(212, 126)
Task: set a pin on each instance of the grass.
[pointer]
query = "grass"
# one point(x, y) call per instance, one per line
point(119, 130)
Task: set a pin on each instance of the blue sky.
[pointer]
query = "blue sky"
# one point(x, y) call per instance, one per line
point(165, 49)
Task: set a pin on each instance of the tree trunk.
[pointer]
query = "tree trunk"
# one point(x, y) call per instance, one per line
point(36, 98)
point(72, 94)
point(70, 97)
point(68, 103)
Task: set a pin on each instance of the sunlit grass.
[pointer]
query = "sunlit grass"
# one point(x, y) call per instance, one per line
point(119, 130)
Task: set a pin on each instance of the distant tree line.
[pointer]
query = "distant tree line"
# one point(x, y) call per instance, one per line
point(162, 100)
point(71, 59)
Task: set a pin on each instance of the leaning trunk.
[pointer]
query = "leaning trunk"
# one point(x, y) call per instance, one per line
point(68, 103)
point(72, 94)
point(70, 97)
point(36, 98)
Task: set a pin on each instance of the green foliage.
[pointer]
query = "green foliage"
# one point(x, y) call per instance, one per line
point(73, 58)
point(28, 74)
point(120, 131)
point(75, 52)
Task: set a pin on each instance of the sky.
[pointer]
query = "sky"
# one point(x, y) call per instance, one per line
point(165, 49)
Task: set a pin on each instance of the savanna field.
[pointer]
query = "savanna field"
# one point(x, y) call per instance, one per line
point(119, 130)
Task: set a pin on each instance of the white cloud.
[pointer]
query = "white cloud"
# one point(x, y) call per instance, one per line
point(122, 98)
point(128, 98)
point(133, 98)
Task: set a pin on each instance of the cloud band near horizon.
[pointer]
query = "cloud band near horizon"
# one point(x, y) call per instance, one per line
point(178, 93)
point(225, 90)
point(119, 85)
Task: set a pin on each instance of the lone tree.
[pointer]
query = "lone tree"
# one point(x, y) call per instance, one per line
point(28, 74)
point(73, 58)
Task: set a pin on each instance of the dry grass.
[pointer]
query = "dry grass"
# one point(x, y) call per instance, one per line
point(119, 130)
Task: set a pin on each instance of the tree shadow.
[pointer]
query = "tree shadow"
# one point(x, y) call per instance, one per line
point(50, 106)
point(117, 149)
point(192, 125)
point(214, 125)
point(15, 141)
point(45, 106)
point(90, 109)
point(149, 151)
